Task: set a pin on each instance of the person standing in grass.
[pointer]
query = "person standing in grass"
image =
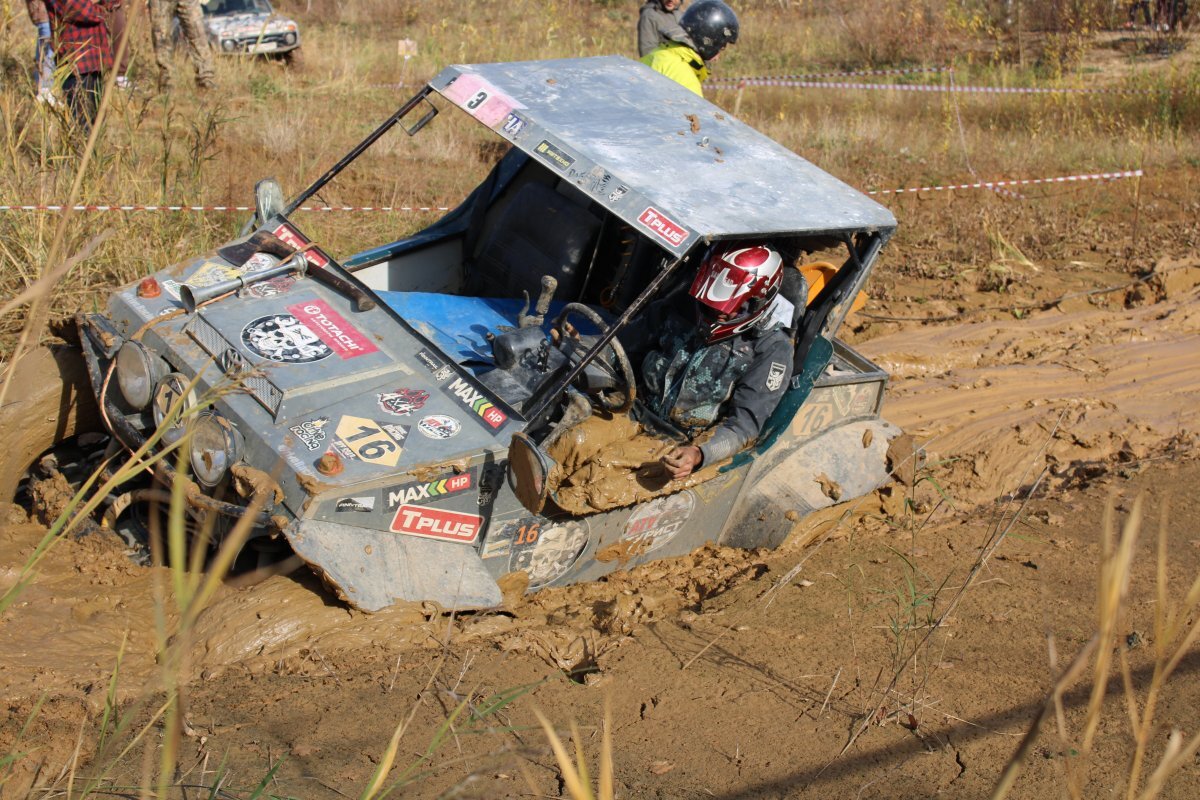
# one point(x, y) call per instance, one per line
point(712, 26)
point(43, 52)
point(191, 26)
point(115, 21)
point(658, 23)
point(81, 40)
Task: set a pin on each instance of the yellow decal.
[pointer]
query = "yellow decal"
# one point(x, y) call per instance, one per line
point(369, 441)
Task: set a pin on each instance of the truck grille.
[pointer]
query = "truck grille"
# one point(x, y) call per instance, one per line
point(232, 363)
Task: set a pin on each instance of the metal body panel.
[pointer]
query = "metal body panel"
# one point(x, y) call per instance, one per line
point(634, 140)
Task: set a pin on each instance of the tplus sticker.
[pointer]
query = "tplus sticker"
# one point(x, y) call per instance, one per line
point(439, 426)
point(283, 338)
point(435, 523)
point(403, 402)
point(663, 227)
point(342, 337)
point(374, 442)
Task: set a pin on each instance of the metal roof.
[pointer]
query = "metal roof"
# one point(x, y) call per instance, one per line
point(662, 158)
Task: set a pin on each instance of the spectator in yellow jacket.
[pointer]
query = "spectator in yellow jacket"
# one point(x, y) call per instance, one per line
point(712, 26)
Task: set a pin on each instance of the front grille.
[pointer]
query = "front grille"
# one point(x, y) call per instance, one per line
point(228, 357)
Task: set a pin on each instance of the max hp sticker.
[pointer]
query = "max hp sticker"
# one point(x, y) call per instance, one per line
point(663, 227)
point(311, 433)
point(403, 402)
point(439, 426)
point(283, 338)
point(342, 337)
point(433, 490)
point(374, 442)
point(473, 398)
point(554, 155)
point(434, 523)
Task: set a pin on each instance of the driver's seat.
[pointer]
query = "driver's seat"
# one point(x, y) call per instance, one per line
point(539, 232)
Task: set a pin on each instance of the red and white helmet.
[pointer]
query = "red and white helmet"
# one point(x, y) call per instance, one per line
point(735, 287)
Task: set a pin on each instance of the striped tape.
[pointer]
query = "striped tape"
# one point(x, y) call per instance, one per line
point(221, 208)
point(991, 185)
point(1095, 176)
point(855, 74)
point(918, 87)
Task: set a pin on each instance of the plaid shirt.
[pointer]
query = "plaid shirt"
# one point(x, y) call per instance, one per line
point(80, 36)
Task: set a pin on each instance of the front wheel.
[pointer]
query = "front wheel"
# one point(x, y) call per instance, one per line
point(49, 400)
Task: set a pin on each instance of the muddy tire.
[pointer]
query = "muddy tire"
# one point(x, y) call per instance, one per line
point(49, 400)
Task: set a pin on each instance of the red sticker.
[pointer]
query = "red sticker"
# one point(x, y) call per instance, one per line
point(289, 236)
point(329, 326)
point(673, 233)
point(432, 523)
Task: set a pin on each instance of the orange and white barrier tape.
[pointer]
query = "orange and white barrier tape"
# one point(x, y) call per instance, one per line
point(991, 185)
point(1095, 176)
point(916, 87)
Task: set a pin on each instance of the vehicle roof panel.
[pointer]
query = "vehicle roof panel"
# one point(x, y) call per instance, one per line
point(636, 140)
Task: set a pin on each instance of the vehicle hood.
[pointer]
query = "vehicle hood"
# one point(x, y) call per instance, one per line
point(248, 24)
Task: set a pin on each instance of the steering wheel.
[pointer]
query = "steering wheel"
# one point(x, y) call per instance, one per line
point(626, 376)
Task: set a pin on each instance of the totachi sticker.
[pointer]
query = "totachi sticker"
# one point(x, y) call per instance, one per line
point(342, 337)
point(403, 402)
point(775, 376)
point(663, 227)
point(374, 442)
point(657, 522)
point(436, 523)
point(439, 426)
point(283, 338)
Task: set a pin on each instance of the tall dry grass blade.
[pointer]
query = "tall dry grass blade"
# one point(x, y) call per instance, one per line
point(1015, 764)
point(45, 284)
point(1177, 756)
point(606, 789)
point(570, 775)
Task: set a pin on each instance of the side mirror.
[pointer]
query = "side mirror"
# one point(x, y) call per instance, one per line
point(268, 199)
point(528, 468)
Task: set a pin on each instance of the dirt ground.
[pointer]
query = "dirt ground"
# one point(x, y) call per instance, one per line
point(730, 674)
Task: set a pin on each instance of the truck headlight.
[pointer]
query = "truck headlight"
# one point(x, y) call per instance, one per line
point(167, 392)
point(289, 38)
point(228, 45)
point(216, 446)
point(138, 371)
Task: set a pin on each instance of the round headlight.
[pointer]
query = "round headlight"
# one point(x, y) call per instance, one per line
point(228, 45)
point(216, 446)
point(289, 38)
point(138, 370)
point(167, 393)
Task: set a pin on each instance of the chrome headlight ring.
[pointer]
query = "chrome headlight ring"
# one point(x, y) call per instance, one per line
point(216, 446)
point(138, 373)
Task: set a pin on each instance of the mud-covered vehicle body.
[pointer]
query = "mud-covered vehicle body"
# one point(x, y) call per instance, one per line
point(249, 26)
point(382, 392)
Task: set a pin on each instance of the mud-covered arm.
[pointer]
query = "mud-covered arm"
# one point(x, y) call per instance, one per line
point(754, 398)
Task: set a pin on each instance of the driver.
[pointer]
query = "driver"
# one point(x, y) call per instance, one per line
point(716, 363)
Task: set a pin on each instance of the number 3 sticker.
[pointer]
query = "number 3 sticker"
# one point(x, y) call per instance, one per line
point(483, 101)
point(369, 441)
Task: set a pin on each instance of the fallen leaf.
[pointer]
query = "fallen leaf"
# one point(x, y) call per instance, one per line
point(661, 767)
point(804, 583)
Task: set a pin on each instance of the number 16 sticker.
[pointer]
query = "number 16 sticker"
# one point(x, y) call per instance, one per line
point(373, 442)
